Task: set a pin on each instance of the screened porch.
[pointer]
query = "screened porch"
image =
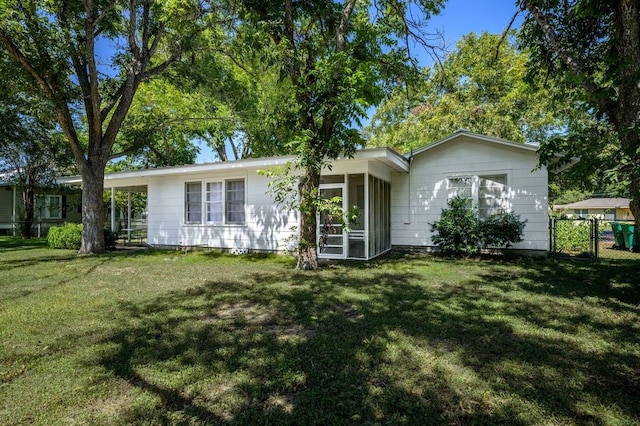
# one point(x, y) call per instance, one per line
point(368, 236)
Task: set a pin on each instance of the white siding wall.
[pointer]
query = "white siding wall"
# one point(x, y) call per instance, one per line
point(267, 225)
point(419, 196)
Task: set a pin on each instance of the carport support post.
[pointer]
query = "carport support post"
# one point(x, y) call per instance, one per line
point(113, 209)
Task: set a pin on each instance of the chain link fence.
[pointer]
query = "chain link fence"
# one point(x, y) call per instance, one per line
point(593, 238)
point(38, 229)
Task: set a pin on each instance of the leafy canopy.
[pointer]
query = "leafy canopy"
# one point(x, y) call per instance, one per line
point(480, 86)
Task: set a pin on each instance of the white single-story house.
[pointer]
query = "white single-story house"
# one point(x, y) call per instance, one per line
point(228, 205)
point(602, 208)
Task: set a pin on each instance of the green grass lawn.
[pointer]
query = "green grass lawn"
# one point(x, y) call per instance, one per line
point(167, 338)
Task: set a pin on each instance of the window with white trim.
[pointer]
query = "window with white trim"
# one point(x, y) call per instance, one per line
point(215, 202)
point(48, 206)
point(234, 201)
point(461, 187)
point(487, 192)
point(193, 202)
point(491, 195)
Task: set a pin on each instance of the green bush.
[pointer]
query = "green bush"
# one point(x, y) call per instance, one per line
point(460, 231)
point(457, 230)
point(573, 236)
point(67, 236)
point(501, 230)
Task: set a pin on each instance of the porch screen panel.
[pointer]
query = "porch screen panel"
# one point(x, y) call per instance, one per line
point(356, 198)
point(379, 216)
point(193, 202)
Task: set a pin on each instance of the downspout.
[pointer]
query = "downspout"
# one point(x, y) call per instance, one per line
point(409, 214)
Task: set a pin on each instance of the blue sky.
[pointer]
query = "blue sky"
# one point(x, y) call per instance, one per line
point(461, 17)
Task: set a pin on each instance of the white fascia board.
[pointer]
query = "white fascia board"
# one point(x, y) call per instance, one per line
point(389, 157)
point(477, 136)
point(254, 163)
point(385, 155)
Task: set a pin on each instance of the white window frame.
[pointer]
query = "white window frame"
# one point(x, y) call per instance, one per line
point(187, 203)
point(455, 190)
point(206, 202)
point(475, 177)
point(501, 199)
point(45, 206)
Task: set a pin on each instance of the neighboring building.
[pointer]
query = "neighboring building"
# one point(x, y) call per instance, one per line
point(602, 208)
point(50, 209)
point(228, 205)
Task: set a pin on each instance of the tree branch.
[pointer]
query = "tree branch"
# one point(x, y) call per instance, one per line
point(605, 104)
point(342, 28)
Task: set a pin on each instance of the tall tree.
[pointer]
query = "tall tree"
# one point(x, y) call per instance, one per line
point(160, 126)
point(58, 44)
point(32, 149)
point(339, 57)
point(248, 104)
point(480, 86)
point(594, 47)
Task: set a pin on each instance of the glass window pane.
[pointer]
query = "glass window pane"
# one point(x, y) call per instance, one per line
point(235, 201)
point(193, 202)
point(54, 207)
point(491, 195)
point(214, 202)
point(460, 187)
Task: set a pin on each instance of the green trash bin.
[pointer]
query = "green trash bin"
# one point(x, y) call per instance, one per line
point(631, 238)
point(618, 235)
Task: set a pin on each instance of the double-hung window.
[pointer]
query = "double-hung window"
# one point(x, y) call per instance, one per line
point(49, 206)
point(491, 195)
point(215, 202)
point(234, 201)
point(487, 192)
point(193, 202)
point(462, 187)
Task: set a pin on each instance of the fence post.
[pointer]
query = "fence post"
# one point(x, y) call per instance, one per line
point(596, 226)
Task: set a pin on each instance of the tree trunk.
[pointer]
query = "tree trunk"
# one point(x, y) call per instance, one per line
point(93, 217)
point(627, 114)
point(28, 198)
point(307, 250)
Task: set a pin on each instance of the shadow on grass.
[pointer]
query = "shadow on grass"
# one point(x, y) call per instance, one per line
point(17, 243)
point(339, 346)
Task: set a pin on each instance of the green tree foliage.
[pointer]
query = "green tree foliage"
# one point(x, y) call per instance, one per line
point(593, 49)
point(58, 43)
point(480, 86)
point(338, 58)
point(248, 103)
point(160, 127)
point(32, 150)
